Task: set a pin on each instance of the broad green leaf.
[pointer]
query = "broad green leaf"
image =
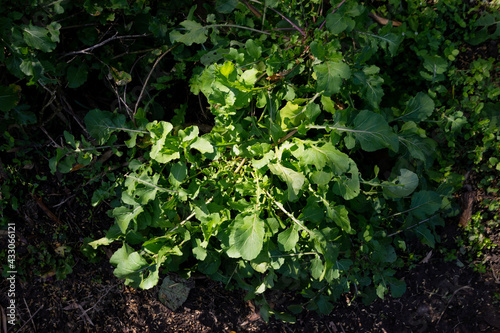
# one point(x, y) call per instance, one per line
point(391, 41)
point(194, 33)
point(402, 186)
point(247, 235)
point(291, 115)
point(124, 215)
point(491, 111)
point(436, 66)
point(150, 277)
point(42, 38)
point(318, 50)
point(329, 76)
point(381, 290)
point(9, 96)
point(121, 78)
point(101, 124)
point(136, 271)
point(340, 216)
point(385, 39)
point(253, 49)
point(419, 146)
point(165, 148)
point(178, 173)
point(121, 254)
point(288, 238)
point(312, 111)
point(202, 145)
point(317, 268)
point(200, 251)
point(112, 234)
point(77, 75)
point(347, 184)
point(373, 132)
point(336, 23)
point(327, 154)
point(324, 306)
point(398, 287)
point(426, 235)
point(371, 85)
point(142, 188)
point(418, 108)
point(130, 265)
point(292, 178)
point(383, 253)
point(425, 203)
point(225, 6)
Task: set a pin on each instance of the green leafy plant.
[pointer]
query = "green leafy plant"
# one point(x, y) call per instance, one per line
point(309, 180)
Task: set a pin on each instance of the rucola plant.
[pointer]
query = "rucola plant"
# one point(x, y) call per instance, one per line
point(314, 177)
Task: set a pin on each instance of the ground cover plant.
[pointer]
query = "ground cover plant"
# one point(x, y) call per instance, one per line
point(266, 145)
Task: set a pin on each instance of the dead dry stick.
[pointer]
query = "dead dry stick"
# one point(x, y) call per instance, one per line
point(88, 49)
point(29, 312)
point(449, 301)
point(497, 280)
point(4, 320)
point(383, 20)
point(47, 211)
point(30, 318)
point(149, 75)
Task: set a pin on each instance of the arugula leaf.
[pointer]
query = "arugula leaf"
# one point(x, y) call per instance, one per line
point(348, 186)
point(336, 22)
point(292, 178)
point(288, 239)
point(425, 203)
point(418, 108)
point(124, 215)
point(340, 216)
point(9, 96)
point(77, 75)
point(195, 33)
point(373, 132)
point(402, 186)
point(101, 124)
point(329, 76)
point(371, 85)
point(165, 148)
point(247, 235)
point(41, 38)
point(323, 155)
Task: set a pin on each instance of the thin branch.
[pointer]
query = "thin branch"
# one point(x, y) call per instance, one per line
point(291, 23)
point(88, 49)
point(149, 76)
point(412, 226)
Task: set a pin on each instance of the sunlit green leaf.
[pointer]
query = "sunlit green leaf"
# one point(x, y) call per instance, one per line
point(330, 75)
point(247, 235)
point(293, 179)
point(194, 33)
point(288, 238)
point(402, 186)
